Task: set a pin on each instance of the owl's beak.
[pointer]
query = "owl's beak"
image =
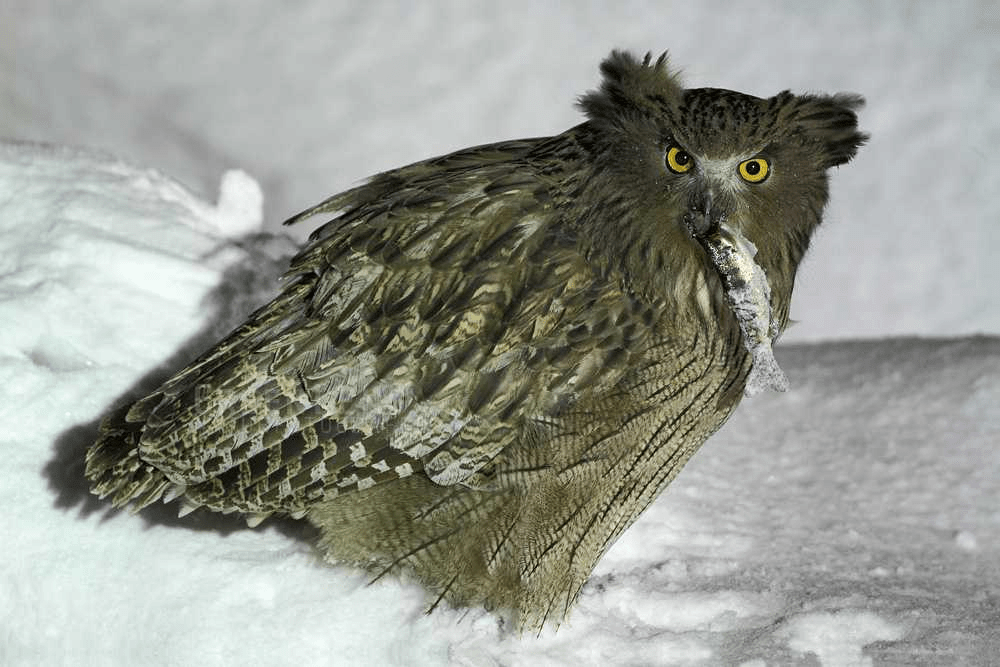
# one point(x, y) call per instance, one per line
point(702, 218)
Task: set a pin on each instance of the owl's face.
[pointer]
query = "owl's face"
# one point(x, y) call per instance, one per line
point(700, 158)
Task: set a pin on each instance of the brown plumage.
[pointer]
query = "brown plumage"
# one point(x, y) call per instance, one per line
point(487, 364)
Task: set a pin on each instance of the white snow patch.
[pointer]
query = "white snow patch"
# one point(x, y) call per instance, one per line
point(688, 610)
point(240, 210)
point(966, 541)
point(837, 638)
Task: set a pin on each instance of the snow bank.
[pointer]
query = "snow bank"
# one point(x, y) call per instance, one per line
point(850, 521)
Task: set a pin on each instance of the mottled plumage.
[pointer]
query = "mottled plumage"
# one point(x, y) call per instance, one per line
point(487, 364)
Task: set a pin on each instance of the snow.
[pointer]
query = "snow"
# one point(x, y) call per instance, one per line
point(852, 520)
point(837, 638)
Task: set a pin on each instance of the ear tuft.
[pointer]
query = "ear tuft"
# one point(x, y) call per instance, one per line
point(631, 87)
point(832, 122)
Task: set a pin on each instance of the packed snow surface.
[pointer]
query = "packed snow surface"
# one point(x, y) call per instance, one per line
point(851, 521)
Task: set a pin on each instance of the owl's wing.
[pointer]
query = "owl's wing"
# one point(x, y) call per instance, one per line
point(422, 330)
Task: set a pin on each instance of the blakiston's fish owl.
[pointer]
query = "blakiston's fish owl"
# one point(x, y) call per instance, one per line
point(487, 364)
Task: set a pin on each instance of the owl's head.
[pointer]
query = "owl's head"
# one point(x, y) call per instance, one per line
point(693, 159)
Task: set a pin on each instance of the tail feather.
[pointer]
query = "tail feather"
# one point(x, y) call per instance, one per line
point(115, 469)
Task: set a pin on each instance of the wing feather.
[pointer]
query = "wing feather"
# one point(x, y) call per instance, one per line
point(424, 328)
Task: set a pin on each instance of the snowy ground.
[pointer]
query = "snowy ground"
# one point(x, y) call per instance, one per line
point(854, 520)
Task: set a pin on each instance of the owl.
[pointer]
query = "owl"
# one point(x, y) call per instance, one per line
point(486, 365)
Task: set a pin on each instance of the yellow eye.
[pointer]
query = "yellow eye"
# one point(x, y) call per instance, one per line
point(754, 170)
point(679, 161)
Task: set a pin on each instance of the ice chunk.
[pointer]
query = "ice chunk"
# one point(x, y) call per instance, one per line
point(240, 209)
